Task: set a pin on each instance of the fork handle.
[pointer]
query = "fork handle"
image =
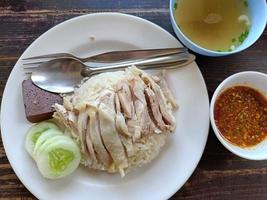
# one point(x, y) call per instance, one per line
point(130, 55)
point(164, 62)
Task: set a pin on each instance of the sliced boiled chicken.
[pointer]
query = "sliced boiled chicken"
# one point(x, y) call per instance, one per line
point(127, 104)
point(121, 124)
point(117, 103)
point(81, 126)
point(141, 110)
point(77, 126)
point(111, 137)
point(88, 139)
point(167, 117)
point(167, 93)
point(115, 116)
point(108, 98)
point(125, 98)
point(128, 145)
point(101, 152)
point(67, 118)
point(86, 143)
point(119, 118)
point(154, 108)
point(134, 128)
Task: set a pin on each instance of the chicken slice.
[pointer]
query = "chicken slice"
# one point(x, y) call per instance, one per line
point(141, 110)
point(125, 98)
point(72, 118)
point(71, 121)
point(154, 108)
point(167, 93)
point(134, 128)
point(108, 98)
point(167, 117)
point(88, 139)
point(134, 124)
point(86, 148)
point(101, 152)
point(67, 103)
point(126, 101)
point(147, 124)
point(117, 103)
point(81, 126)
point(119, 118)
point(128, 144)
point(137, 87)
point(121, 124)
point(123, 129)
point(68, 118)
point(111, 137)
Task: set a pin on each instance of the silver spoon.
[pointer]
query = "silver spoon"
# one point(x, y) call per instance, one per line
point(64, 74)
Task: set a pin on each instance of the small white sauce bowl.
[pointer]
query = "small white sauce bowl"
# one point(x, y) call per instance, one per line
point(255, 80)
point(258, 12)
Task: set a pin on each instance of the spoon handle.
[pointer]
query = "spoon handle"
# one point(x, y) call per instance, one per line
point(163, 62)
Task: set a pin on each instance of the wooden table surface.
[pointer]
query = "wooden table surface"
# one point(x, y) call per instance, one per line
point(220, 174)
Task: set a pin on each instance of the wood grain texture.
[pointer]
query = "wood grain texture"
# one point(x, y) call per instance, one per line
point(220, 174)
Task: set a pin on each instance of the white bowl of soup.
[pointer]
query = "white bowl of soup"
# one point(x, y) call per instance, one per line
point(218, 27)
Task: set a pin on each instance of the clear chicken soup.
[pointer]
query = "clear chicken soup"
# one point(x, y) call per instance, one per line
point(218, 25)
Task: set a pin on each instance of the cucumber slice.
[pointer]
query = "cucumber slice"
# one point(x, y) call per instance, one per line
point(46, 135)
point(59, 158)
point(34, 133)
point(46, 144)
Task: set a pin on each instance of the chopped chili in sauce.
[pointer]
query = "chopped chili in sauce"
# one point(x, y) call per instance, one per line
point(240, 114)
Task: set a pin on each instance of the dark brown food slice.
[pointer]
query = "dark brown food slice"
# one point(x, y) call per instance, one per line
point(38, 103)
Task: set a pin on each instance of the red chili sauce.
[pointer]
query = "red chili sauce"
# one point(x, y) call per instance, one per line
point(240, 114)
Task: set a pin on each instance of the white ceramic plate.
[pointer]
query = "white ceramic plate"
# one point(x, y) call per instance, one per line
point(91, 34)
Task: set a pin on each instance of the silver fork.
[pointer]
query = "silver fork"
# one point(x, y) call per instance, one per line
point(108, 57)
